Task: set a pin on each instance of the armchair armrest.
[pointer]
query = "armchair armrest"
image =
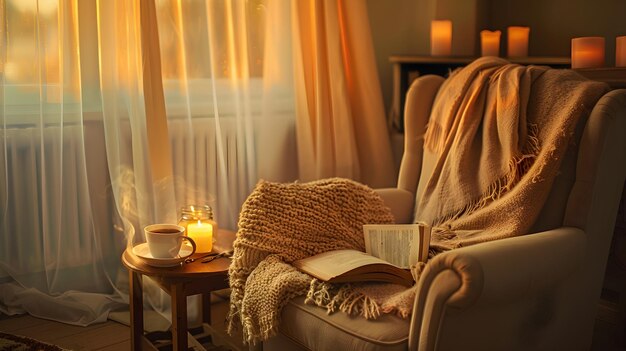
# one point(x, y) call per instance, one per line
point(400, 201)
point(492, 272)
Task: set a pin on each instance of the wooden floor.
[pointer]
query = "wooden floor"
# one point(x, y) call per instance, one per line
point(115, 336)
point(108, 336)
point(102, 336)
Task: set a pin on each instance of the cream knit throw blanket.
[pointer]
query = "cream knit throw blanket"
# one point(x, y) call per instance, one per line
point(500, 131)
point(281, 223)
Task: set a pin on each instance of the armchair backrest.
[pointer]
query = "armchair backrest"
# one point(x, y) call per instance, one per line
point(419, 101)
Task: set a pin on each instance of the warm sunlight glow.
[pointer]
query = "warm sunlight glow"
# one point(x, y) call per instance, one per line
point(12, 71)
point(41, 50)
point(42, 7)
point(222, 45)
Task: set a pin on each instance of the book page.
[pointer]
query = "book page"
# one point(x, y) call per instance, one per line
point(331, 264)
point(400, 244)
point(352, 266)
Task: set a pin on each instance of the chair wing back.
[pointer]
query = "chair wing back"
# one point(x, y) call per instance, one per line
point(419, 101)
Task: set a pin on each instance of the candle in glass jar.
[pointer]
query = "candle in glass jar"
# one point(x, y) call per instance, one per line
point(202, 234)
point(517, 41)
point(490, 43)
point(441, 38)
point(620, 51)
point(588, 52)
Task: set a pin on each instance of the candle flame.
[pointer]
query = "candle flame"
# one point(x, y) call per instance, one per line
point(199, 222)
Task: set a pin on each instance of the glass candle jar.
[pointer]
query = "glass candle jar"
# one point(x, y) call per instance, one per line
point(199, 225)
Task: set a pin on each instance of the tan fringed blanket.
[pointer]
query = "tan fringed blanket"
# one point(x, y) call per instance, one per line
point(499, 146)
point(500, 131)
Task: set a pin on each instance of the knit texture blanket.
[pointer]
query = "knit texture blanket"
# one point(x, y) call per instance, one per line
point(283, 222)
point(499, 131)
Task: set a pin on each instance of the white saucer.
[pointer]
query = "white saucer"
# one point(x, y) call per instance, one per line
point(143, 252)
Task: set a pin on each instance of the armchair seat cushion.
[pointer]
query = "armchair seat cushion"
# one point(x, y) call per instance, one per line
point(312, 328)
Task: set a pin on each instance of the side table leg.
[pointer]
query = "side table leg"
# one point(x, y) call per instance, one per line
point(136, 310)
point(179, 317)
point(206, 308)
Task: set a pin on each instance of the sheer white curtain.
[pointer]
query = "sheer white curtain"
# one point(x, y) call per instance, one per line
point(80, 173)
point(228, 91)
point(115, 113)
point(133, 114)
point(59, 253)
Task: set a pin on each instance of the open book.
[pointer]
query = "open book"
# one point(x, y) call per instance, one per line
point(390, 251)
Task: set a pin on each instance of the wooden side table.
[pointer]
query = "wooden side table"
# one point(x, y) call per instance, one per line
point(179, 282)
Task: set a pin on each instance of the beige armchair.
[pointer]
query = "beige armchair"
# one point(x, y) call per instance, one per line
point(533, 292)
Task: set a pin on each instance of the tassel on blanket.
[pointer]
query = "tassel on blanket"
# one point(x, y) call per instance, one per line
point(356, 303)
point(343, 298)
point(320, 295)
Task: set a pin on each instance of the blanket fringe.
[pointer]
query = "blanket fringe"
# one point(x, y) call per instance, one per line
point(344, 299)
point(319, 294)
point(253, 333)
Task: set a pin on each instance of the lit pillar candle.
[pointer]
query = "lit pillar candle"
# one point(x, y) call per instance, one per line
point(588, 52)
point(620, 51)
point(202, 234)
point(517, 41)
point(490, 43)
point(441, 38)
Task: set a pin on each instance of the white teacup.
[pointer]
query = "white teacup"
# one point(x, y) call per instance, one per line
point(165, 240)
